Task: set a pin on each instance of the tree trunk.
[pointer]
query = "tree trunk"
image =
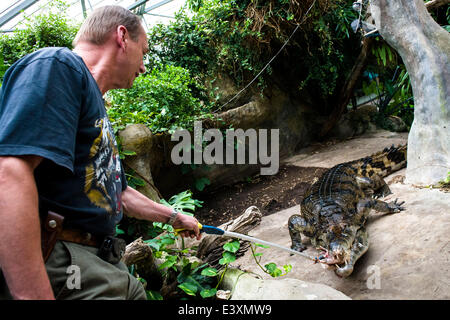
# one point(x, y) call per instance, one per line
point(348, 88)
point(425, 49)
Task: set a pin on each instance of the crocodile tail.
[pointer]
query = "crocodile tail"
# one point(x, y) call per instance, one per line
point(381, 163)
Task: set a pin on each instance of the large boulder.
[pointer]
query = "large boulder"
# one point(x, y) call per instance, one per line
point(245, 286)
point(139, 139)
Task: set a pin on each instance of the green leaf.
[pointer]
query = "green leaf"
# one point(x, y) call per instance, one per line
point(383, 55)
point(271, 267)
point(189, 288)
point(119, 231)
point(228, 257)
point(209, 272)
point(128, 153)
point(153, 295)
point(287, 268)
point(154, 243)
point(201, 183)
point(170, 261)
point(207, 293)
point(232, 246)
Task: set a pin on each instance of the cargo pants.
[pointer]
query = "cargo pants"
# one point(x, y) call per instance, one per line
point(77, 273)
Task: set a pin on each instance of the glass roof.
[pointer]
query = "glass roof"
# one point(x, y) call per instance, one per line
point(12, 12)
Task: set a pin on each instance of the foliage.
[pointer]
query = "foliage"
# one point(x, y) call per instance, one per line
point(52, 29)
point(269, 268)
point(3, 68)
point(238, 37)
point(192, 276)
point(195, 279)
point(162, 99)
point(183, 202)
point(387, 78)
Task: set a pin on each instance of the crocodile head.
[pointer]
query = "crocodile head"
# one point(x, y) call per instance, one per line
point(339, 241)
point(340, 236)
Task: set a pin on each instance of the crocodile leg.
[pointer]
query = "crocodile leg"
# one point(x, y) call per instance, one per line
point(359, 247)
point(297, 225)
point(380, 206)
point(375, 183)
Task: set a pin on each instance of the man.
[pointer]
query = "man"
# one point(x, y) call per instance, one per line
point(58, 153)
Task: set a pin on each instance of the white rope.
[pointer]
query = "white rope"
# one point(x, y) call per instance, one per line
point(270, 61)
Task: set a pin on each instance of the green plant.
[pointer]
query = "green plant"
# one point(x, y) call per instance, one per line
point(228, 256)
point(444, 183)
point(238, 37)
point(269, 268)
point(195, 278)
point(183, 202)
point(52, 29)
point(161, 99)
point(394, 95)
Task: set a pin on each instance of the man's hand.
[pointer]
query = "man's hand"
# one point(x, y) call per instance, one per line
point(20, 238)
point(190, 224)
point(137, 205)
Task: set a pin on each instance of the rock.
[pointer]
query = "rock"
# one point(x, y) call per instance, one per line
point(223, 294)
point(396, 124)
point(355, 122)
point(139, 139)
point(245, 286)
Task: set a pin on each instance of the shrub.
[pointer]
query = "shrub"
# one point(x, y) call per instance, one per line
point(53, 29)
point(161, 99)
point(238, 37)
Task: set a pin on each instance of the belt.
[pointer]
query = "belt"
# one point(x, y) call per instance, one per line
point(80, 237)
point(110, 249)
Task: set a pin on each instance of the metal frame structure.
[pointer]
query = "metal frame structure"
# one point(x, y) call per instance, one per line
point(139, 7)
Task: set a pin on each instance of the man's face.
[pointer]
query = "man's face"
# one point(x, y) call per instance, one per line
point(134, 60)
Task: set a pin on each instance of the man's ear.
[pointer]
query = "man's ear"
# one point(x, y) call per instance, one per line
point(122, 36)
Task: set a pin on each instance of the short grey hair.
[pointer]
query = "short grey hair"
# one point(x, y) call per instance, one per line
point(102, 21)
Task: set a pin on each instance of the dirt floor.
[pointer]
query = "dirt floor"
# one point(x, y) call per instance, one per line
point(409, 252)
point(269, 193)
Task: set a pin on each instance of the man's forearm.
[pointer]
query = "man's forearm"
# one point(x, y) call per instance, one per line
point(20, 246)
point(137, 205)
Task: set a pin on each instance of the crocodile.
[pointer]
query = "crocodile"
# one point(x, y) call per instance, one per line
point(335, 208)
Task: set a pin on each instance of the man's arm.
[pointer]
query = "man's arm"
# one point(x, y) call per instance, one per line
point(137, 205)
point(21, 258)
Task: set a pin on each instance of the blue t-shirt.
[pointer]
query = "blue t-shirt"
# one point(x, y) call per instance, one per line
point(51, 106)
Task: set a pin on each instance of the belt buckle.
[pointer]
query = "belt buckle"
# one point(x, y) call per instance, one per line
point(112, 249)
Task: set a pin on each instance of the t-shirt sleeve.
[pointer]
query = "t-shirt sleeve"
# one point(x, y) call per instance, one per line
point(40, 107)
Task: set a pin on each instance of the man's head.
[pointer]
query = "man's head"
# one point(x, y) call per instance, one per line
point(98, 26)
point(119, 39)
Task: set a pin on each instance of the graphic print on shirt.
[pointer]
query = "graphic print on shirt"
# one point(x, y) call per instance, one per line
point(103, 184)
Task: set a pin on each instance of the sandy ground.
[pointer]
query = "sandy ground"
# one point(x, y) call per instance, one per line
point(409, 252)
